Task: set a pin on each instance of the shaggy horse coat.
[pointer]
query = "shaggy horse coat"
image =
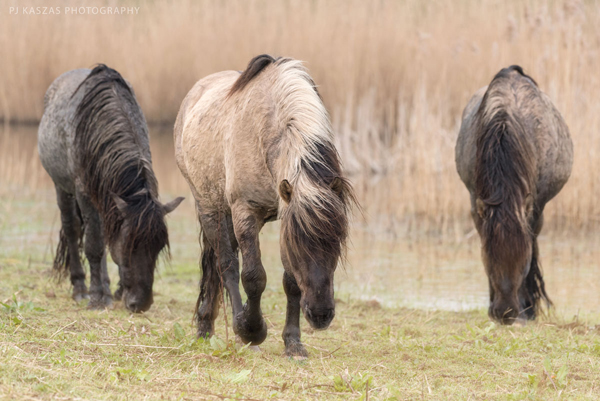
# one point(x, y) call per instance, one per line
point(93, 141)
point(255, 147)
point(514, 153)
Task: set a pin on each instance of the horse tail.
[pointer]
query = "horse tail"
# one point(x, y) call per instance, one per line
point(210, 283)
point(62, 260)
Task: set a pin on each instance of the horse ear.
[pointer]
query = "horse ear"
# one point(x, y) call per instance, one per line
point(337, 185)
point(285, 191)
point(169, 207)
point(528, 205)
point(480, 207)
point(120, 203)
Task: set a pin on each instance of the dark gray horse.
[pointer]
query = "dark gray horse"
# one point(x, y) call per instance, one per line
point(93, 141)
point(514, 153)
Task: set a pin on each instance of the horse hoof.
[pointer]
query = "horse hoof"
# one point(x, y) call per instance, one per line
point(80, 292)
point(78, 297)
point(205, 329)
point(253, 348)
point(100, 303)
point(254, 333)
point(296, 351)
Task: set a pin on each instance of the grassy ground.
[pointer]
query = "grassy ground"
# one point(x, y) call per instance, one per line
point(53, 348)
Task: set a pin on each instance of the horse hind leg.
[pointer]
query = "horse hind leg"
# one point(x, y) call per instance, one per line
point(220, 268)
point(70, 243)
point(207, 306)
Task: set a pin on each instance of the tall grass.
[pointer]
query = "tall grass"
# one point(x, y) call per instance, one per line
point(395, 76)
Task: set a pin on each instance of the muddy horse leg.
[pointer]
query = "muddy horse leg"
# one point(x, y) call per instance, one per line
point(219, 261)
point(100, 295)
point(291, 331)
point(71, 233)
point(249, 323)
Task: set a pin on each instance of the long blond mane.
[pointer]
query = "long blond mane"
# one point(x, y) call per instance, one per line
point(317, 214)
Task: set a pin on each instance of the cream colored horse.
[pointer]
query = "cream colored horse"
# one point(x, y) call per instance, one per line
point(255, 147)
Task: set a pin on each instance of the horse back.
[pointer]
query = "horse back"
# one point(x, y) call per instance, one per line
point(466, 145)
point(205, 118)
point(517, 95)
point(56, 131)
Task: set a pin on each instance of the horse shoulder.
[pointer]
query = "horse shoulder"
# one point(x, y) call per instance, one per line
point(249, 150)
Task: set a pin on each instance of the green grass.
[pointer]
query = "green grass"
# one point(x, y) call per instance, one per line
point(53, 348)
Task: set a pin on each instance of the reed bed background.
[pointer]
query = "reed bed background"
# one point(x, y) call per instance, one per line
point(395, 76)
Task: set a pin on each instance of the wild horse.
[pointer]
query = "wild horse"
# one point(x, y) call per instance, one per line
point(514, 153)
point(93, 141)
point(254, 147)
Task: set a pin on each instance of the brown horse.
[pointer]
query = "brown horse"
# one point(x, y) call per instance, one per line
point(255, 147)
point(93, 141)
point(514, 153)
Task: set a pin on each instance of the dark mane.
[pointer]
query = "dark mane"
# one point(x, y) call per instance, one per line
point(505, 174)
point(306, 227)
point(112, 158)
point(255, 67)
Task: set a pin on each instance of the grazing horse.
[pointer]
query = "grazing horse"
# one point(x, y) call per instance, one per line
point(93, 141)
point(514, 153)
point(254, 147)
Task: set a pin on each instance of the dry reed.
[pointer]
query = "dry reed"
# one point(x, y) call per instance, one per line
point(395, 76)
